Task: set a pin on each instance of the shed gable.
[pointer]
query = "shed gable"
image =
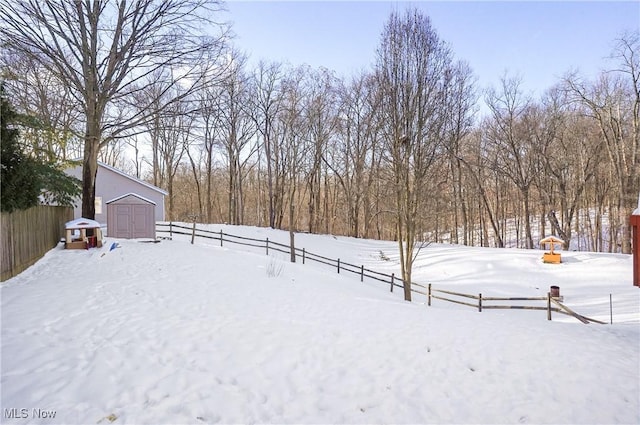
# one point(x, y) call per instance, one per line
point(130, 199)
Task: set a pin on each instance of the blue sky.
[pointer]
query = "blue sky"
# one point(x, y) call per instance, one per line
point(539, 41)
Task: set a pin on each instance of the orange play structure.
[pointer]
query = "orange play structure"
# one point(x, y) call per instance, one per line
point(551, 256)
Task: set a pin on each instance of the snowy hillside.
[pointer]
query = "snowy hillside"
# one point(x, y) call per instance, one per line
point(179, 333)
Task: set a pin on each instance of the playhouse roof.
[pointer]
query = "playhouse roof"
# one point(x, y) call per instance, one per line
point(81, 223)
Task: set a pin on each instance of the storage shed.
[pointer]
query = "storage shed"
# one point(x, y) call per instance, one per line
point(131, 216)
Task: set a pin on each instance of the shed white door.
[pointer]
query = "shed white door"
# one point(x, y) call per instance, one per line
point(134, 221)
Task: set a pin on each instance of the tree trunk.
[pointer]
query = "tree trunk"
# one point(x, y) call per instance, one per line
point(272, 209)
point(527, 218)
point(90, 168)
point(292, 244)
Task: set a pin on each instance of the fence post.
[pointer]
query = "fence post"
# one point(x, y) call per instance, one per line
point(480, 303)
point(338, 266)
point(548, 305)
point(220, 237)
point(292, 239)
point(267, 246)
point(171, 230)
point(393, 277)
point(362, 273)
point(429, 295)
point(610, 310)
point(193, 232)
point(303, 255)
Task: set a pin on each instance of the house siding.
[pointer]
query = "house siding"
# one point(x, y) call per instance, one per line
point(111, 184)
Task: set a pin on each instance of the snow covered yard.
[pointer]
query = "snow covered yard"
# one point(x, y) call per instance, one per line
point(179, 333)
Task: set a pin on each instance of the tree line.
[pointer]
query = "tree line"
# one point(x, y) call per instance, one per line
point(400, 151)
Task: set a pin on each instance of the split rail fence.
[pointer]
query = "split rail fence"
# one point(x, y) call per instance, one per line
point(552, 304)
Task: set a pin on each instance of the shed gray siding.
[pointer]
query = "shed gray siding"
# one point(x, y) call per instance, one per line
point(112, 183)
point(131, 217)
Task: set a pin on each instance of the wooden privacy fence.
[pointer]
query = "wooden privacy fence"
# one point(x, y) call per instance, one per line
point(390, 279)
point(28, 234)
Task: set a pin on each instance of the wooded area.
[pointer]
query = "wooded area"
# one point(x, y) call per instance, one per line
point(411, 150)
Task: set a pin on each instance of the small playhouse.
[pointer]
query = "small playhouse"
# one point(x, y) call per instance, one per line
point(82, 233)
point(551, 256)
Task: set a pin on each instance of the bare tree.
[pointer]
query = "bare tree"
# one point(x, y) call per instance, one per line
point(210, 135)
point(266, 105)
point(113, 153)
point(320, 109)
point(511, 134)
point(462, 109)
point(355, 151)
point(196, 170)
point(411, 67)
point(569, 154)
point(56, 133)
point(173, 142)
point(237, 131)
point(103, 52)
point(614, 103)
point(479, 160)
point(293, 149)
point(134, 143)
point(169, 129)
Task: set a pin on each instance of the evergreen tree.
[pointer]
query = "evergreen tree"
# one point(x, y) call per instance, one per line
point(23, 178)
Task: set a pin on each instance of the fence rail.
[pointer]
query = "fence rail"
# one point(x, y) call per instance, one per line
point(480, 304)
point(302, 253)
point(28, 234)
point(390, 279)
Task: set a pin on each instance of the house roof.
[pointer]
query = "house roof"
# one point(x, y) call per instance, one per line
point(142, 182)
point(130, 194)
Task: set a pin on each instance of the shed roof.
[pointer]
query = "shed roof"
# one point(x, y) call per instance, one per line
point(123, 174)
point(142, 182)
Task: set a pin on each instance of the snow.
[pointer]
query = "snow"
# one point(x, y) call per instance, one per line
point(551, 239)
point(169, 332)
point(82, 223)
